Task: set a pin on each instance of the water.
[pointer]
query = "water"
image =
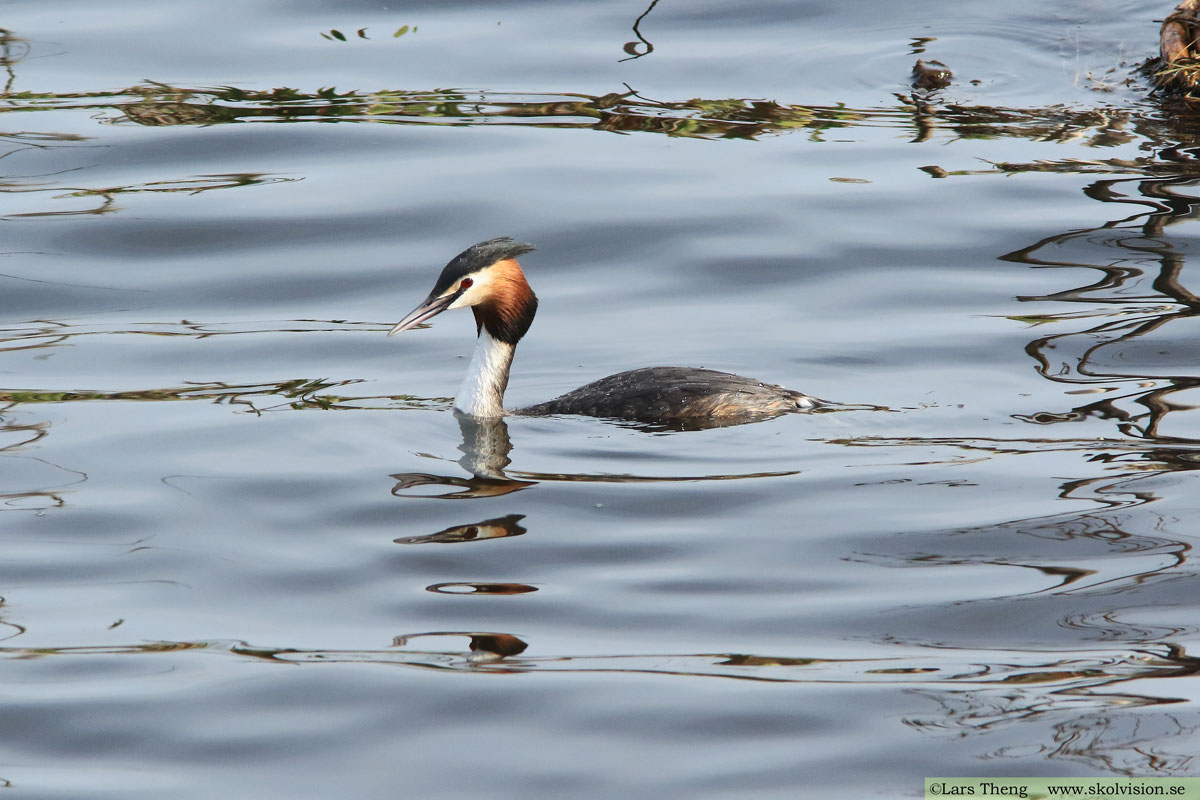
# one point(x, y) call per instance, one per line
point(249, 548)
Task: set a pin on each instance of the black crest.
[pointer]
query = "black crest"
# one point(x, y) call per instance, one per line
point(477, 257)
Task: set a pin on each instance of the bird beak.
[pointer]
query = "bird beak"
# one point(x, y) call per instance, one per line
point(427, 310)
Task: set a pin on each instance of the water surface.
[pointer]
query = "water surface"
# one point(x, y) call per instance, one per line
point(249, 544)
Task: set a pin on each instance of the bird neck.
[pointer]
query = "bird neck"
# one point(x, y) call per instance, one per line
point(482, 392)
point(508, 310)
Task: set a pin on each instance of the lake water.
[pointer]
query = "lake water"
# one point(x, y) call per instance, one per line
point(249, 550)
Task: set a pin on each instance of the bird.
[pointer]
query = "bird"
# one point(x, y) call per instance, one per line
point(487, 278)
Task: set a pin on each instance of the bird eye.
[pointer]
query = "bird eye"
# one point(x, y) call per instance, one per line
point(467, 283)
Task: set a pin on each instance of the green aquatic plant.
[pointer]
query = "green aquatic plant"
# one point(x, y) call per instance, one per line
point(624, 112)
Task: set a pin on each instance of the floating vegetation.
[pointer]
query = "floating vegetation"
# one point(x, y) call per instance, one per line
point(157, 104)
point(624, 112)
point(931, 75)
point(1177, 69)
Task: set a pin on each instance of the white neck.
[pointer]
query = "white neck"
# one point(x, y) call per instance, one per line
point(482, 392)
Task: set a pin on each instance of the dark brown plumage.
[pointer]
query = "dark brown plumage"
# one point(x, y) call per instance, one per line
point(653, 394)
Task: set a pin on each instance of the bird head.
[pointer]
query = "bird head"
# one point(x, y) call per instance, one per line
point(487, 279)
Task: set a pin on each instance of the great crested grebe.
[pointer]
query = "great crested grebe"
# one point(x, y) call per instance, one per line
point(487, 278)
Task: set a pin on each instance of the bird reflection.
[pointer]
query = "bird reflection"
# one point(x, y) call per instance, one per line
point(485, 448)
point(498, 528)
point(473, 587)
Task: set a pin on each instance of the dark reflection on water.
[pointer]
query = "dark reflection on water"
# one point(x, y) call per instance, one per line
point(1073, 675)
point(1085, 731)
point(29, 482)
point(1142, 274)
point(643, 46)
point(1072, 681)
point(1129, 337)
point(106, 196)
point(13, 49)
